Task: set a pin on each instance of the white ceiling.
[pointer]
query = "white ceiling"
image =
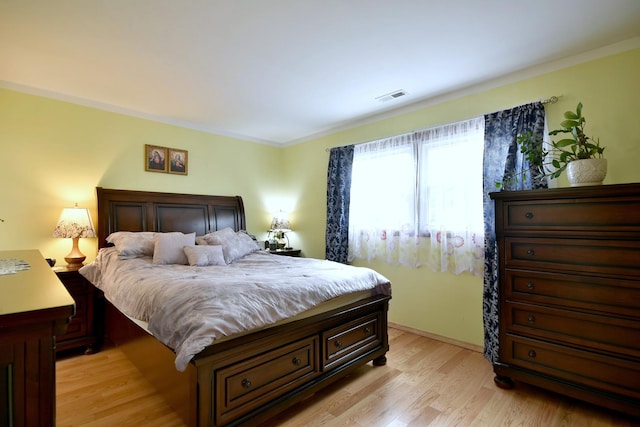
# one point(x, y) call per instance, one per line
point(281, 71)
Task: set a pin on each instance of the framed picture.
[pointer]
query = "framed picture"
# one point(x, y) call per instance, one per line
point(178, 161)
point(155, 158)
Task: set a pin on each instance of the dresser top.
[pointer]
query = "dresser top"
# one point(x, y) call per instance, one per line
point(614, 190)
point(34, 288)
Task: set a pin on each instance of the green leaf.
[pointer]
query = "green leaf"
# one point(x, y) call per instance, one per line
point(571, 115)
point(569, 124)
point(564, 143)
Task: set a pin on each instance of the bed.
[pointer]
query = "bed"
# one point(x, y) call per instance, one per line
point(248, 377)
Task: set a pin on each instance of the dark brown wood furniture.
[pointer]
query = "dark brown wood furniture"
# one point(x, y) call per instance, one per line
point(82, 331)
point(252, 377)
point(570, 292)
point(287, 252)
point(34, 307)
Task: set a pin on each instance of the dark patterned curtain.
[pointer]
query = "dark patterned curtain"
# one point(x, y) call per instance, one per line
point(338, 197)
point(501, 159)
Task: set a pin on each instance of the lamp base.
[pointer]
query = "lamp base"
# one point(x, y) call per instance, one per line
point(74, 263)
point(75, 258)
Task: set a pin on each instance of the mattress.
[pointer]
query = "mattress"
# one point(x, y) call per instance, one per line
point(188, 307)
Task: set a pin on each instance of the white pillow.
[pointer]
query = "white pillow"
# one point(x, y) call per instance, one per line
point(169, 247)
point(204, 255)
point(235, 245)
point(132, 244)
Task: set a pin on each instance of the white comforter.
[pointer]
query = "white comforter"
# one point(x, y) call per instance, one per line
point(190, 307)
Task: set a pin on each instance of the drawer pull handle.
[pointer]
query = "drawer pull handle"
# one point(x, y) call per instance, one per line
point(367, 330)
point(528, 215)
point(339, 344)
point(531, 252)
point(532, 353)
point(531, 319)
point(297, 361)
point(246, 383)
point(530, 286)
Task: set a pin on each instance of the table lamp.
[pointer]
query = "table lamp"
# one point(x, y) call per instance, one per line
point(74, 223)
point(280, 225)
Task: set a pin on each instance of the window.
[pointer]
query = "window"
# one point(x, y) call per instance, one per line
point(416, 199)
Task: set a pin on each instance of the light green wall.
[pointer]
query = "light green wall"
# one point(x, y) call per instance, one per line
point(56, 153)
point(445, 304)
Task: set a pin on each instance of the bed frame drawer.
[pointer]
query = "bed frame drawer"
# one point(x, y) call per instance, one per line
point(256, 380)
point(349, 340)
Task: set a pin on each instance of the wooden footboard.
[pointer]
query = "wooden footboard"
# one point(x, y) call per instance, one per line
point(251, 378)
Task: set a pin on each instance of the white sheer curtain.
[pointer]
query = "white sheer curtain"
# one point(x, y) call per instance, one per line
point(416, 199)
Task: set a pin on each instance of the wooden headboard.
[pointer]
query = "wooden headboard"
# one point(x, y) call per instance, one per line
point(125, 210)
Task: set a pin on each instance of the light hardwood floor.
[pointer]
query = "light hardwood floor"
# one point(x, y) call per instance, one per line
point(425, 383)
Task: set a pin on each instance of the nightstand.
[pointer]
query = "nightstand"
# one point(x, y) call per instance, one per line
point(81, 331)
point(287, 252)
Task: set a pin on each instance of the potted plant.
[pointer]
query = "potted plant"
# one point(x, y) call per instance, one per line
point(534, 154)
point(579, 154)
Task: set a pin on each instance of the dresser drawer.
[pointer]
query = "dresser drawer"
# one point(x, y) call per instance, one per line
point(601, 333)
point(350, 340)
point(255, 381)
point(615, 296)
point(606, 257)
point(613, 374)
point(571, 214)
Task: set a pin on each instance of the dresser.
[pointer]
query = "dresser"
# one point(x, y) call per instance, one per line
point(34, 308)
point(569, 292)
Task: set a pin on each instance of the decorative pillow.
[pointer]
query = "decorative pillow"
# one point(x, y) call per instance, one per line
point(131, 244)
point(235, 245)
point(204, 255)
point(169, 247)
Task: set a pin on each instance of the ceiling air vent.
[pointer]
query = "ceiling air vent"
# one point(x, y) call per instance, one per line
point(390, 96)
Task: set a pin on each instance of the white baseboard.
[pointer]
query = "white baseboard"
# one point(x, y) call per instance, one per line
point(437, 337)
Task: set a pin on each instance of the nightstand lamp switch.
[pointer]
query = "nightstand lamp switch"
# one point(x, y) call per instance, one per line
point(74, 223)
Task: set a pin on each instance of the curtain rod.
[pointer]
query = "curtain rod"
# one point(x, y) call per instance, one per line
point(550, 100)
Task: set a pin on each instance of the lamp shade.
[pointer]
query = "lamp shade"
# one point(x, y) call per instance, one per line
point(74, 222)
point(280, 222)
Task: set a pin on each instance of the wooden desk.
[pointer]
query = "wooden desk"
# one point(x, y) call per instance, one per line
point(34, 308)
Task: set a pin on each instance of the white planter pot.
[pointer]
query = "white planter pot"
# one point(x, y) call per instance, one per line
point(586, 172)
